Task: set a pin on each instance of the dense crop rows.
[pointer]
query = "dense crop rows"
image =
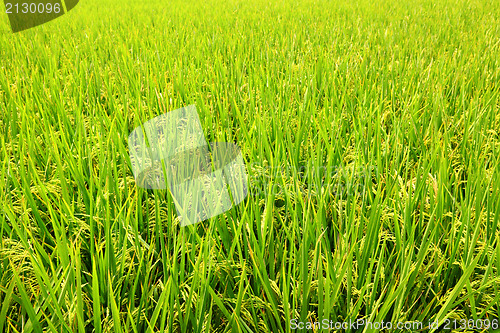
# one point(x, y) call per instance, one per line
point(370, 130)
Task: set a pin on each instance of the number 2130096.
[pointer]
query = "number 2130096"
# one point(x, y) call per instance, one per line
point(32, 8)
point(471, 324)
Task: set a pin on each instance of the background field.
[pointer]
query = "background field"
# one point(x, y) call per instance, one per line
point(371, 135)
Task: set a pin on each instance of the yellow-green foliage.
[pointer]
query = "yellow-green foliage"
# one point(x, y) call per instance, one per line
point(395, 103)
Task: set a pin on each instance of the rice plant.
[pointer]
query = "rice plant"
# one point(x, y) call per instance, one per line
point(369, 129)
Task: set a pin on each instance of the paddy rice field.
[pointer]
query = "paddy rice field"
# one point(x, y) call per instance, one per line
point(370, 132)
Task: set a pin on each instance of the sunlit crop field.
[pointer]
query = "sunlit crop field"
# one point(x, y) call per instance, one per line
point(370, 133)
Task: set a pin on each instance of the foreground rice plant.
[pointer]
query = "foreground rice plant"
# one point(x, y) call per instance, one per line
point(371, 136)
